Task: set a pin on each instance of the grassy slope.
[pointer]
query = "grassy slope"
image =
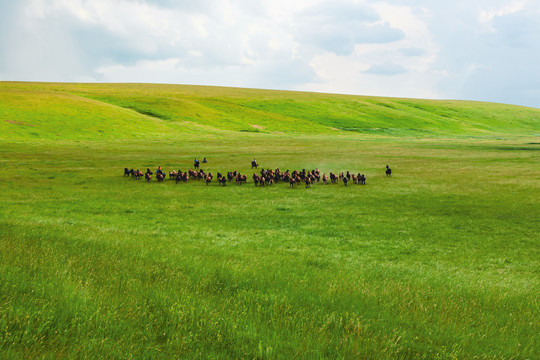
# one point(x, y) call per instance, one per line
point(97, 112)
point(440, 261)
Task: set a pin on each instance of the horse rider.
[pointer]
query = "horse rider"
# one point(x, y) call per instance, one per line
point(204, 161)
point(196, 164)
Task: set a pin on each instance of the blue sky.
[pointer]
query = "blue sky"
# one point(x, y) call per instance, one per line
point(486, 50)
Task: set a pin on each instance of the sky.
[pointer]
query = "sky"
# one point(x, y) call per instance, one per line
point(487, 50)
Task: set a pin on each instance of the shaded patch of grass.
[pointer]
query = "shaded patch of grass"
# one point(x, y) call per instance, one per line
point(516, 148)
point(149, 113)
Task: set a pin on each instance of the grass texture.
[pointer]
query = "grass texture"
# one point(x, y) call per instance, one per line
point(439, 261)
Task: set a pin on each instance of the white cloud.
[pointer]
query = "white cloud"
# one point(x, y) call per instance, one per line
point(274, 75)
point(487, 15)
point(387, 68)
point(338, 26)
point(412, 51)
point(399, 68)
point(350, 75)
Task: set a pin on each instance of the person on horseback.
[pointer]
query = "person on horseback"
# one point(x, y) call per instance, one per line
point(196, 164)
point(204, 161)
point(158, 170)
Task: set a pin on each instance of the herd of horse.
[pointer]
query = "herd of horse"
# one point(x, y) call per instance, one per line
point(266, 177)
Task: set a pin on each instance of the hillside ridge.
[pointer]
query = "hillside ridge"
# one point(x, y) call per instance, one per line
point(101, 111)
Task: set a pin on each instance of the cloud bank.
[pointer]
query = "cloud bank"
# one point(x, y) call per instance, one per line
point(482, 50)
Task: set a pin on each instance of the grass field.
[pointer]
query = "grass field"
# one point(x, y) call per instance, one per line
point(440, 261)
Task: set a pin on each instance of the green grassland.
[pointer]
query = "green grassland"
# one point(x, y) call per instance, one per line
point(440, 261)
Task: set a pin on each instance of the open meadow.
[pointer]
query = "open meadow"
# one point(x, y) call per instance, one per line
point(439, 261)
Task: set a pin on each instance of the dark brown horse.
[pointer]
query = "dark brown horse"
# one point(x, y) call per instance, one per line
point(223, 181)
point(256, 179)
point(240, 179)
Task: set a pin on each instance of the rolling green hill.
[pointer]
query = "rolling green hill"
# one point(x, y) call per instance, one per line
point(126, 111)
